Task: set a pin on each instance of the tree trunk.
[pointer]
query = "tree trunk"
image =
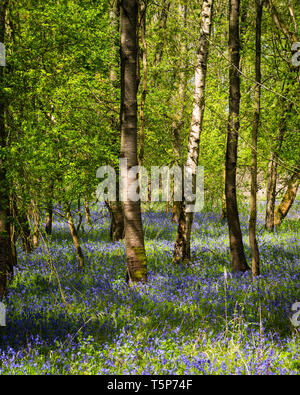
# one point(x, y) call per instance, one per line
point(13, 233)
point(115, 208)
point(74, 234)
point(117, 231)
point(180, 104)
point(49, 210)
point(6, 262)
point(224, 214)
point(114, 22)
point(271, 192)
point(176, 211)
point(182, 244)
point(238, 258)
point(273, 164)
point(135, 249)
point(287, 200)
point(253, 195)
point(79, 224)
point(25, 233)
point(36, 225)
point(87, 212)
point(49, 219)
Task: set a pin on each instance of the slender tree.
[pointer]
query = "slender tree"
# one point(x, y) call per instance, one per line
point(87, 211)
point(238, 258)
point(115, 208)
point(255, 129)
point(6, 256)
point(135, 249)
point(24, 229)
point(182, 244)
point(223, 213)
point(35, 214)
point(49, 211)
point(74, 234)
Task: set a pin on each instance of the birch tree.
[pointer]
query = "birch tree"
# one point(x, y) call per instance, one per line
point(182, 245)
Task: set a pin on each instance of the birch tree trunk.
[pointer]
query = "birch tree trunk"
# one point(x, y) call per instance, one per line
point(253, 195)
point(238, 258)
point(135, 249)
point(13, 233)
point(182, 244)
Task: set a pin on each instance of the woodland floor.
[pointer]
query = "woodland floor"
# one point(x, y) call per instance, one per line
point(186, 320)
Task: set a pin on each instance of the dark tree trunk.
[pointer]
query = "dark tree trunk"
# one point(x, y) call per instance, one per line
point(25, 231)
point(223, 214)
point(6, 260)
point(13, 231)
point(253, 196)
point(117, 231)
point(49, 210)
point(176, 211)
point(181, 248)
point(49, 219)
point(271, 192)
point(135, 249)
point(74, 234)
point(238, 258)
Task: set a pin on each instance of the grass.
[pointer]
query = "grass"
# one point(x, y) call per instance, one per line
point(187, 320)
